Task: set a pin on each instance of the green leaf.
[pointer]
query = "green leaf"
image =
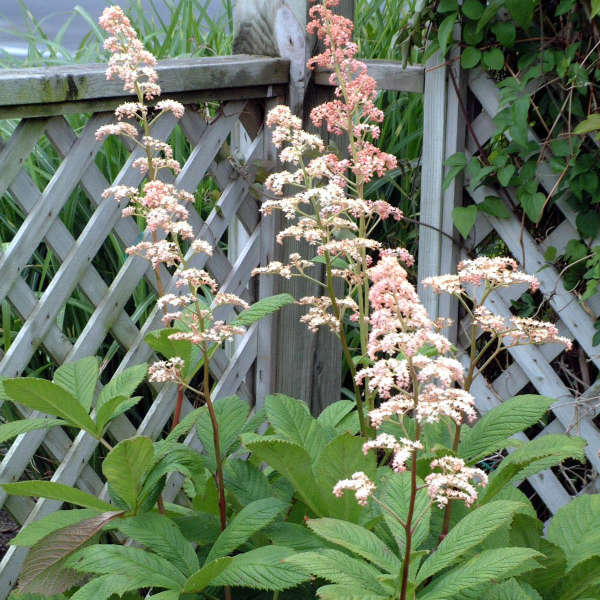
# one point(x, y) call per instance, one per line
point(346, 592)
point(473, 9)
point(112, 409)
point(245, 524)
point(49, 398)
point(445, 32)
point(576, 529)
point(36, 530)
point(494, 206)
point(292, 421)
point(595, 8)
point(44, 571)
point(358, 540)
point(232, 413)
point(396, 495)
point(470, 57)
point(204, 576)
point(113, 559)
point(106, 586)
point(464, 218)
point(14, 428)
point(162, 536)
point(533, 205)
point(468, 533)
point(263, 308)
point(592, 123)
point(494, 59)
point(582, 581)
point(246, 481)
point(124, 384)
point(334, 415)
point(293, 535)
point(125, 466)
point(186, 424)
point(79, 379)
point(521, 11)
point(456, 163)
point(492, 431)
point(339, 459)
point(55, 491)
point(160, 341)
point(262, 569)
point(588, 223)
point(550, 254)
point(505, 32)
point(290, 460)
point(338, 567)
point(489, 565)
point(536, 455)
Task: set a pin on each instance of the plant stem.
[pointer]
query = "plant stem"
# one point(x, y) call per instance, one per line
point(217, 444)
point(177, 413)
point(408, 525)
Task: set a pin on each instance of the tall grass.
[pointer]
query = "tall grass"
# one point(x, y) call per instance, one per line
point(187, 30)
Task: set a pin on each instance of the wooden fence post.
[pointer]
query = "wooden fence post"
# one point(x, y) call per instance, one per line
point(304, 365)
point(443, 136)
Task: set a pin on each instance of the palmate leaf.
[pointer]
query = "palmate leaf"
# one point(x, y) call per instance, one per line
point(489, 565)
point(292, 421)
point(492, 431)
point(15, 428)
point(468, 533)
point(341, 457)
point(245, 524)
point(50, 398)
point(263, 569)
point(56, 491)
point(112, 559)
point(232, 413)
point(125, 466)
point(124, 384)
point(535, 456)
point(36, 530)
point(44, 570)
point(112, 409)
point(396, 495)
point(204, 576)
point(338, 567)
point(575, 528)
point(161, 535)
point(358, 540)
point(290, 460)
point(79, 379)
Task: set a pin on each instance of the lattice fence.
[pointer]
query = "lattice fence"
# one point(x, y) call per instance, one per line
point(532, 369)
point(234, 223)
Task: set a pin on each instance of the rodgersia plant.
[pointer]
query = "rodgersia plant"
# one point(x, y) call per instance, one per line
point(384, 497)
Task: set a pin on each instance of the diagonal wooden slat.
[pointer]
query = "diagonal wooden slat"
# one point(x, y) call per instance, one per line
point(57, 192)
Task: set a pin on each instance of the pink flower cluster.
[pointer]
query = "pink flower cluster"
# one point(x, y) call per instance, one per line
point(454, 482)
point(360, 484)
point(406, 378)
point(161, 205)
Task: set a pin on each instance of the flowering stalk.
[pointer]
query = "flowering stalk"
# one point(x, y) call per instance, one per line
point(328, 208)
point(162, 207)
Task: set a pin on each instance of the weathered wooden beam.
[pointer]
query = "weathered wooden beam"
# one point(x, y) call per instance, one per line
point(72, 83)
point(257, 92)
point(389, 75)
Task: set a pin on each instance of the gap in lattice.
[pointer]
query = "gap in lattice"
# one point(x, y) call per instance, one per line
point(542, 511)
point(575, 370)
point(575, 475)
